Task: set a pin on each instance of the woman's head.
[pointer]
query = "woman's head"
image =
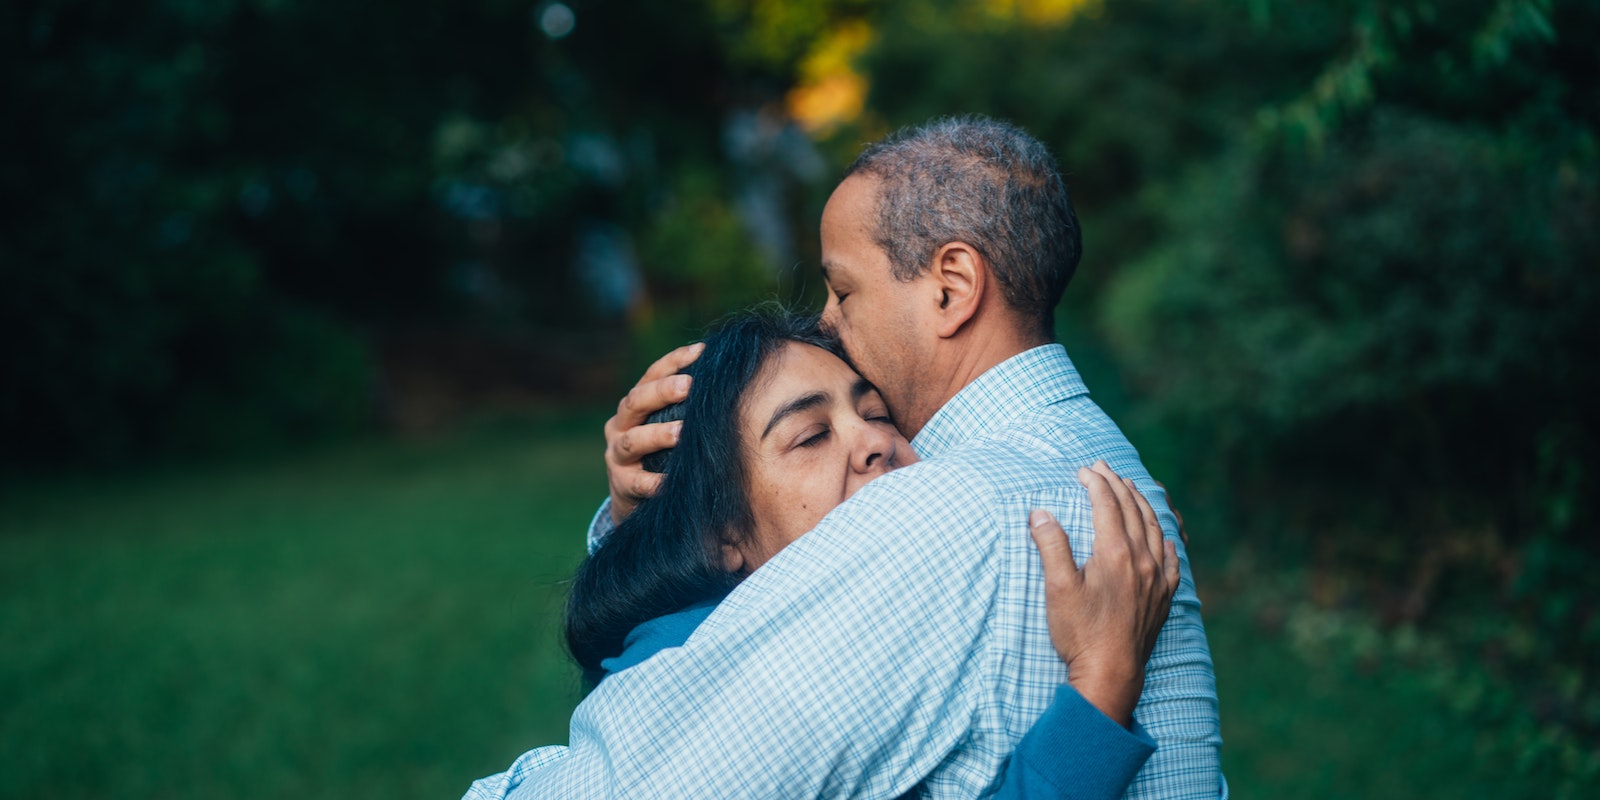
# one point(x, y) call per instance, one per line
point(811, 433)
point(777, 431)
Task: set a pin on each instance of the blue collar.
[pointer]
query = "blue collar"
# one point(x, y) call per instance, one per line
point(652, 636)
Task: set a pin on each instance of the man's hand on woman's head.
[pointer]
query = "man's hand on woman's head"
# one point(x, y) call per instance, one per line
point(629, 439)
point(1104, 618)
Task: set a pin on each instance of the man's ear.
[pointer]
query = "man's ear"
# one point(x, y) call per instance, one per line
point(960, 275)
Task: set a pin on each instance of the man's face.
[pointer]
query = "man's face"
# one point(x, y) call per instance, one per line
point(874, 315)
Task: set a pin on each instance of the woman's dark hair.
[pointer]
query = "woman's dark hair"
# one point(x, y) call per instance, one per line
point(667, 554)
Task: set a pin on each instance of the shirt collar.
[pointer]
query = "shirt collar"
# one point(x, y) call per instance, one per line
point(1026, 381)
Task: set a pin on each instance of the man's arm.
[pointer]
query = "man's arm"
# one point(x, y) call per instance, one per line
point(852, 664)
point(600, 527)
point(502, 784)
point(1179, 704)
point(1074, 749)
point(857, 647)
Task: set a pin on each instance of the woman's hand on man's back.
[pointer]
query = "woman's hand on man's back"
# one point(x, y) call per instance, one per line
point(1104, 618)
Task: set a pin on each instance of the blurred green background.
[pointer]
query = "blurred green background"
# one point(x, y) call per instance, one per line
point(311, 314)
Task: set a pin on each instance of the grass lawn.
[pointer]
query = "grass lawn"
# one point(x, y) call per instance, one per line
point(376, 621)
point(381, 620)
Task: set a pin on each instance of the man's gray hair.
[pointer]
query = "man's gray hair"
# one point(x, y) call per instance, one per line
point(986, 183)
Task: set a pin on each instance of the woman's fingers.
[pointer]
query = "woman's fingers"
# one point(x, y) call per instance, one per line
point(1105, 511)
point(1139, 518)
point(1132, 526)
point(1154, 538)
point(1055, 550)
point(1104, 634)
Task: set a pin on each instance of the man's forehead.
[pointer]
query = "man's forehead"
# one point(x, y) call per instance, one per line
point(836, 271)
point(853, 204)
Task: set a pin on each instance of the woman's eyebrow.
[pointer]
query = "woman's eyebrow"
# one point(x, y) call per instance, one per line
point(795, 406)
point(860, 388)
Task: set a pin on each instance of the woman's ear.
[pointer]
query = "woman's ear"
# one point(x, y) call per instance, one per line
point(732, 558)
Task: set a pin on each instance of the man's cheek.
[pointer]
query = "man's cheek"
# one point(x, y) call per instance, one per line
point(842, 333)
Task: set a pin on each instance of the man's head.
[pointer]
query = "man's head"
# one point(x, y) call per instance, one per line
point(946, 249)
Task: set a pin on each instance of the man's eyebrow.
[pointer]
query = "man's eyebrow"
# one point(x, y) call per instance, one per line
point(824, 271)
point(795, 406)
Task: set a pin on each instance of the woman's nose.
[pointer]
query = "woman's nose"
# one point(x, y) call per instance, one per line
point(873, 448)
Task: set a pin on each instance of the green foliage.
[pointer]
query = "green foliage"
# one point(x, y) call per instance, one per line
point(1374, 316)
point(1435, 55)
point(221, 201)
point(1411, 259)
point(1382, 709)
point(775, 34)
point(699, 253)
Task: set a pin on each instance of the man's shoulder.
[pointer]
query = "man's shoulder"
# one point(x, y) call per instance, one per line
point(966, 485)
point(1035, 456)
point(934, 487)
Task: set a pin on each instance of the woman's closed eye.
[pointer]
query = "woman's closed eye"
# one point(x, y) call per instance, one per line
point(874, 410)
point(815, 438)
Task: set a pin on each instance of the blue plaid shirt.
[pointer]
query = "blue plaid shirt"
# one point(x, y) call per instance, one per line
point(904, 640)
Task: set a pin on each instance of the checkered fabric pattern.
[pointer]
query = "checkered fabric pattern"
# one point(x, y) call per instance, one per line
point(902, 644)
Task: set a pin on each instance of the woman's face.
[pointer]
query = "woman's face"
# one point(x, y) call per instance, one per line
point(813, 432)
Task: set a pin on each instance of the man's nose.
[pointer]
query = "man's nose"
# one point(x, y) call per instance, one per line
point(830, 314)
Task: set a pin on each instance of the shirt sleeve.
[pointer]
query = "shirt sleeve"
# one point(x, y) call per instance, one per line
point(848, 665)
point(1179, 704)
point(1074, 751)
point(601, 526)
point(501, 785)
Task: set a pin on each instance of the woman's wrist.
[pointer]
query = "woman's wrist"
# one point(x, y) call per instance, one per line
point(1111, 688)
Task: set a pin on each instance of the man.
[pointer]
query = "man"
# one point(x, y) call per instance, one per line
point(902, 644)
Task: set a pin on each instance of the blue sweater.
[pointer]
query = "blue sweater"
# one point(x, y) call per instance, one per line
point(1073, 750)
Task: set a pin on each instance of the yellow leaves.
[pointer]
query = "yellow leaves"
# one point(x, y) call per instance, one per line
point(822, 107)
point(1040, 12)
point(830, 91)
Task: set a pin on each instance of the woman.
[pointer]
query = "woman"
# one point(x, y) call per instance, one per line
point(776, 432)
point(766, 388)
